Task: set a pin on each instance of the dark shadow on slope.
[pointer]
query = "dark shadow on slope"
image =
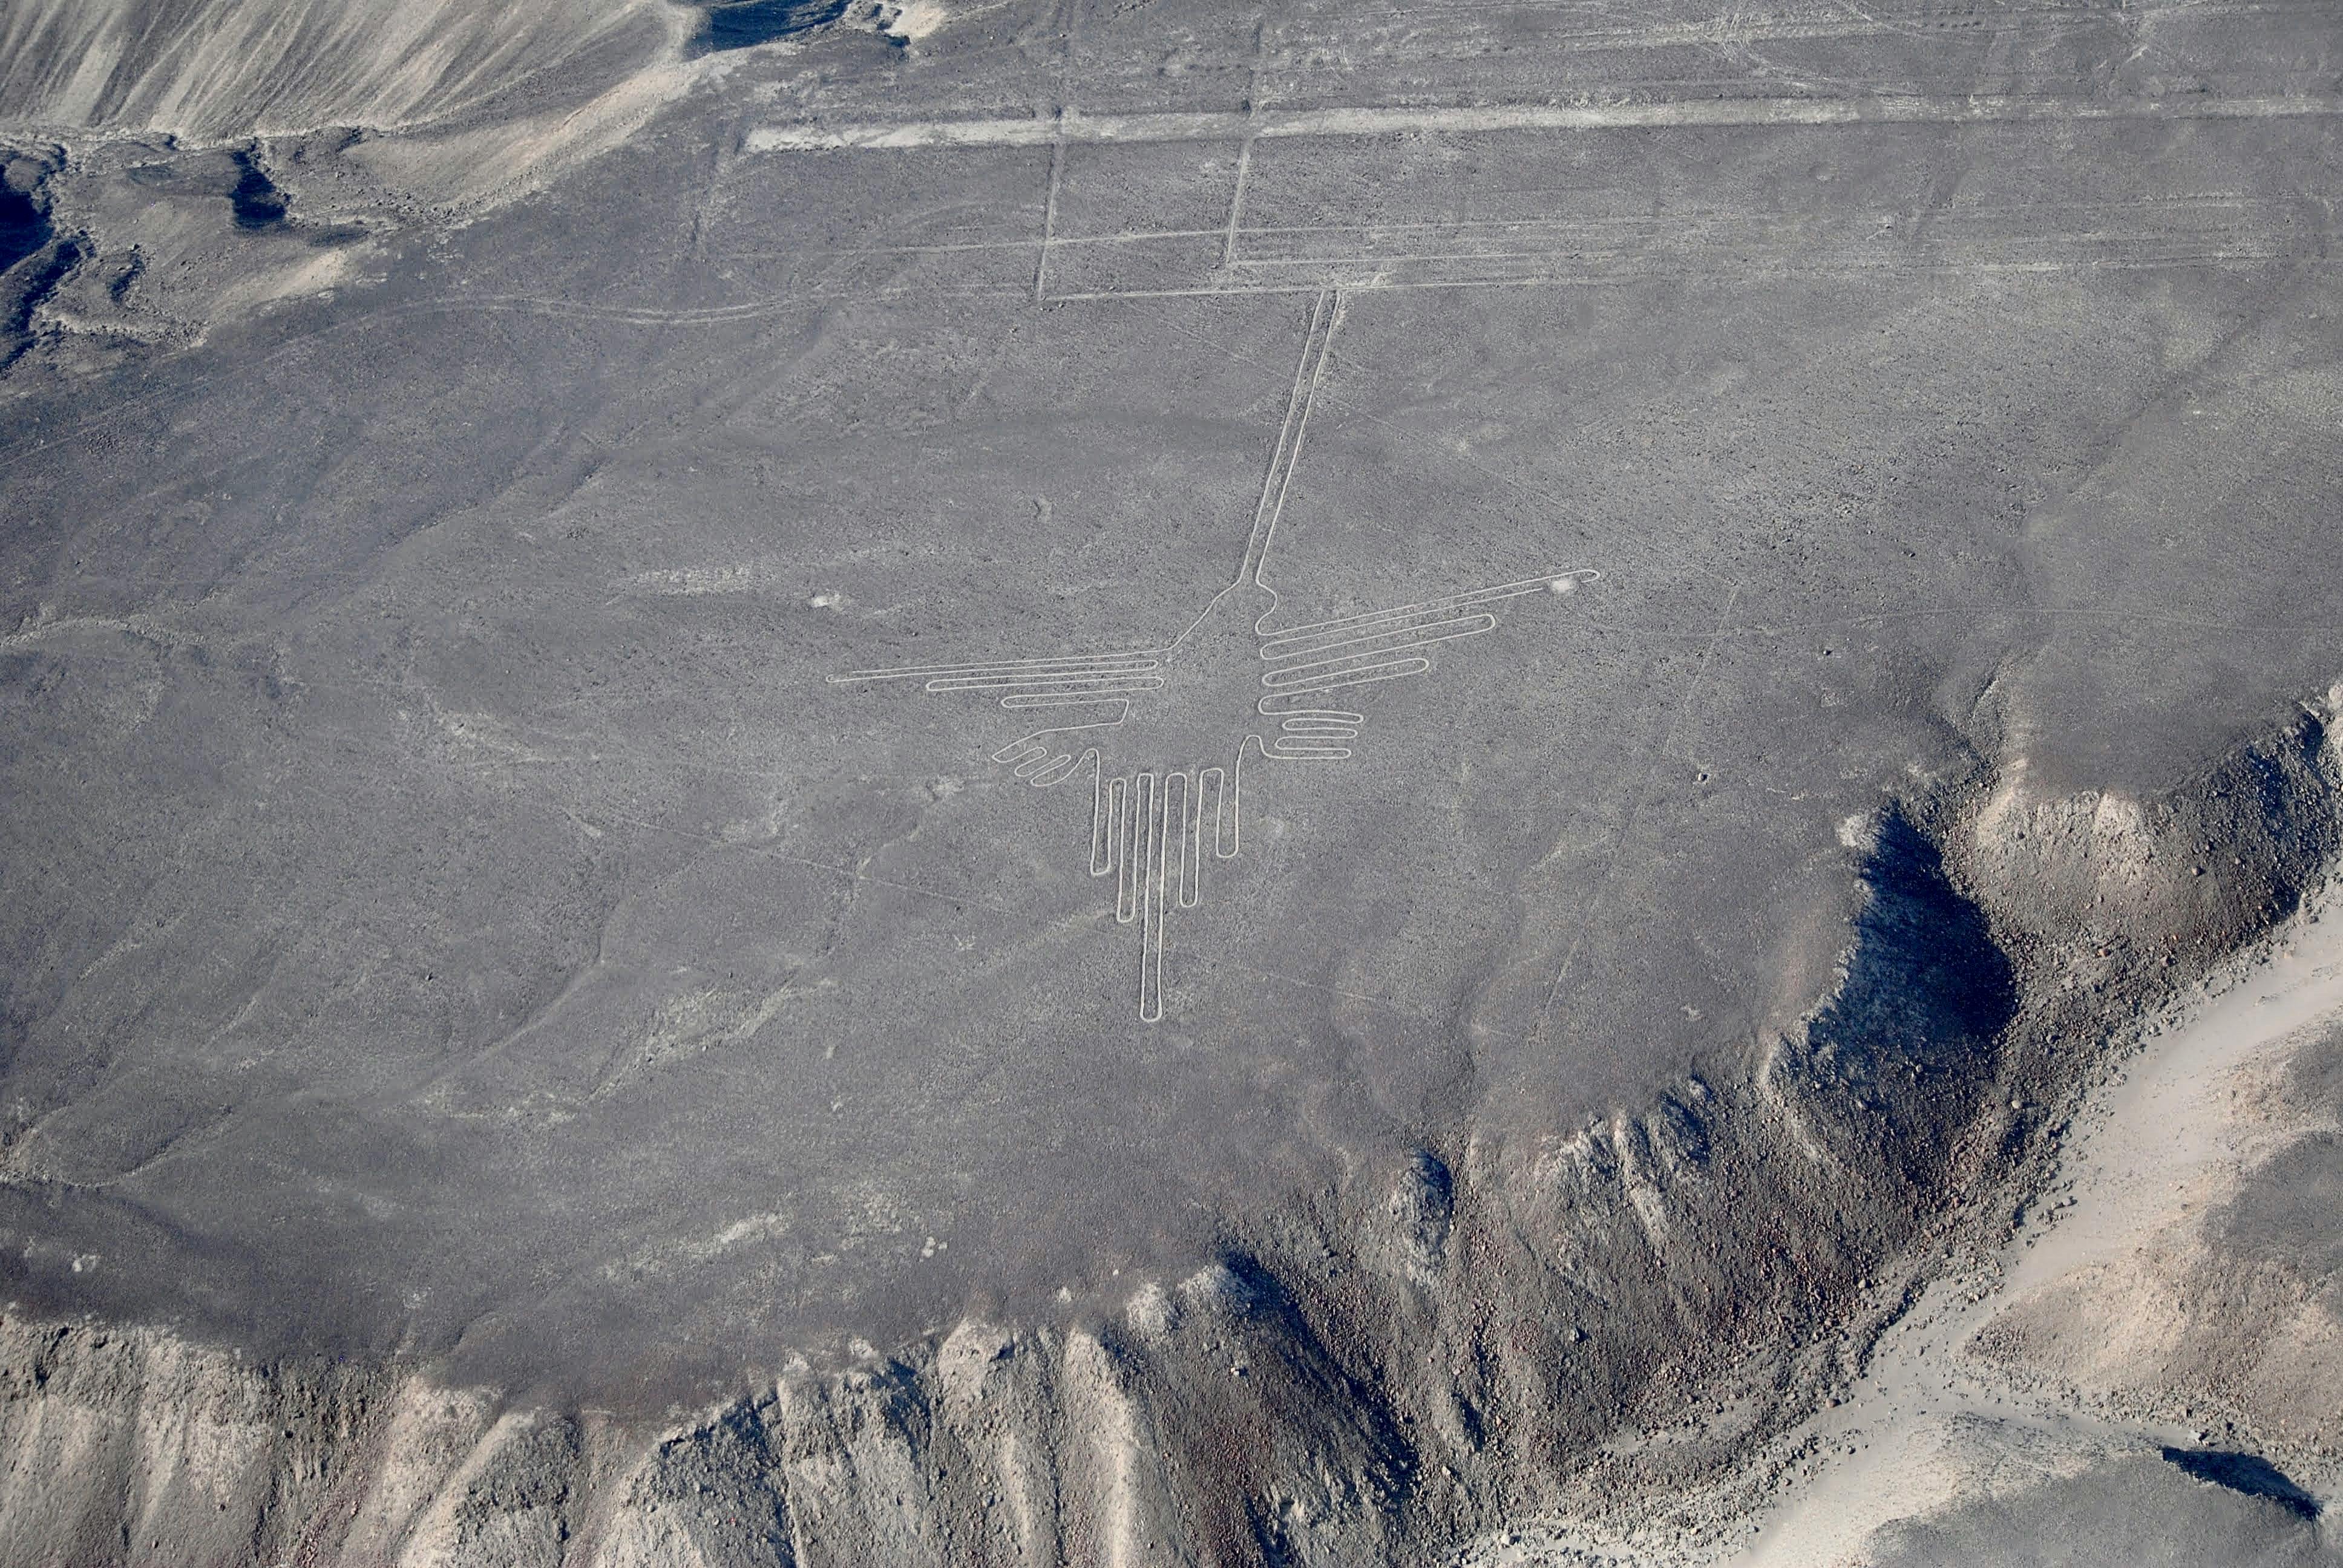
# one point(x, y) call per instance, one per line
point(747, 23)
point(2244, 1472)
point(254, 199)
point(23, 226)
point(23, 288)
point(1924, 957)
point(1910, 1039)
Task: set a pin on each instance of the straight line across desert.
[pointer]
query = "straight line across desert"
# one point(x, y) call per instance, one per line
point(1111, 783)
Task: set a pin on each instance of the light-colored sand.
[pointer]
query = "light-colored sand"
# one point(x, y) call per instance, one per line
point(2164, 1144)
point(1929, 1425)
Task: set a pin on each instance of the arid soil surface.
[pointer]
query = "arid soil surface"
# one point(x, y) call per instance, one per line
point(1032, 783)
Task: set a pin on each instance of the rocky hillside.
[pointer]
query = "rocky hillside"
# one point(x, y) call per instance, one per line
point(214, 70)
point(1597, 1327)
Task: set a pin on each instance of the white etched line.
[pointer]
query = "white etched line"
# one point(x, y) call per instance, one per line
point(1082, 700)
point(1231, 844)
point(1307, 676)
point(1149, 827)
point(1118, 808)
point(1236, 205)
point(1017, 752)
point(1368, 282)
point(1618, 280)
point(1039, 668)
point(1101, 835)
point(1244, 151)
point(2231, 207)
point(913, 134)
point(1151, 931)
point(1321, 651)
point(1070, 687)
point(1063, 107)
point(1300, 430)
point(973, 679)
point(1310, 376)
point(1382, 120)
point(1059, 684)
point(1179, 806)
point(1549, 583)
point(1273, 483)
point(1049, 217)
point(1211, 785)
point(1368, 676)
point(1731, 30)
point(1191, 847)
point(1283, 705)
point(1145, 817)
point(1635, 816)
point(1057, 242)
point(1741, 251)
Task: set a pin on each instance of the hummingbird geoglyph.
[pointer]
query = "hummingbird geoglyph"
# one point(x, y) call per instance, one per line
point(1162, 736)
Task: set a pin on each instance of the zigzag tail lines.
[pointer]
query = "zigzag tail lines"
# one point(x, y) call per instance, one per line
point(1101, 834)
point(1143, 808)
point(1192, 845)
point(1179, 802)
point(1118, 809)
point(1230, 843)
point(1151, 927)
point(1212, 781)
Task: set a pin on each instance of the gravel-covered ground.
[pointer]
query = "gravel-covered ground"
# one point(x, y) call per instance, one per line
point(1168, 783)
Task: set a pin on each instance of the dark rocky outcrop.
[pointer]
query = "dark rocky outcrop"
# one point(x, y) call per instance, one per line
point(1623, 1314)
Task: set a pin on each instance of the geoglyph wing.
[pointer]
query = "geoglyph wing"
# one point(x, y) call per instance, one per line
point(1302, 662)
point(1161, 735)
point(1105, 682)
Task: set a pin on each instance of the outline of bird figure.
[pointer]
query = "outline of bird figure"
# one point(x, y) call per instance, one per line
point(1162, 734)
